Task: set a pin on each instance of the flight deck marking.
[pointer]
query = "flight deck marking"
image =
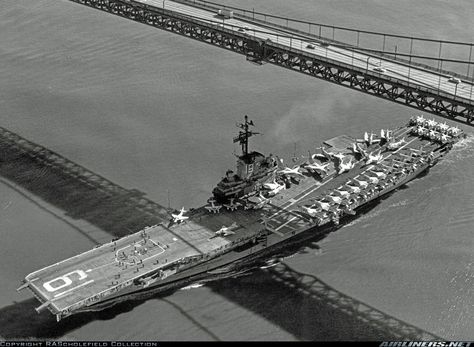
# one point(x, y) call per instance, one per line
point(289, 221)
point(66, 279)
point(73, 288)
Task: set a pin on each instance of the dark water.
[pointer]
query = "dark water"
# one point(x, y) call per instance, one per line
point(155, 111)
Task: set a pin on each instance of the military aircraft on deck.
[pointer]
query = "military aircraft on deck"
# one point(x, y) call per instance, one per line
point(259, 203)
point(339, 156)
point(328, 155)
point(395, 145)
point(373, 180)
point(271, 185)
point(213, 208)
point(360, 183)
point(315, 167)
point(453, 130)
point(232, 205)
point(445, 138)
point(368, 139)
point(322, 205)
point(357, 149)
point(226, 231)
point(180, 217)
point(385, 135)
point(335, 199)
point(342, 193)
point(371, 158)
point(353, 189)
point(277, 189)
point(379, 174)
point(432, 123)
point(345, 167)
point(311, 210)
point(293, 171)
point(443, 127)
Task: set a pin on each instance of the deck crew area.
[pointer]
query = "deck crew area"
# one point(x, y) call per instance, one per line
point(114, 264)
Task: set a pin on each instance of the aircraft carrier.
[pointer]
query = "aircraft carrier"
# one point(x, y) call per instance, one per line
point(258, 209)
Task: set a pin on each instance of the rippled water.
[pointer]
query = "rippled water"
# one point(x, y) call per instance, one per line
point(155, 111)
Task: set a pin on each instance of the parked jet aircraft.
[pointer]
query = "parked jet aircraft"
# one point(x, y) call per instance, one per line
point(311, 210)
point(261, 201)
point(335, 199)
point(276, 189)
point(315, 167)
point(353, 189)
point(357, 149)
point(360, 183)
point(271, 185)
point(180, 217)
point(323, 205)
point(293, 171)
point(345, 167)
point(226, 231)
point(379, 174)
point(395, 145)
point(342, 193)
point(373, 180)
point(371, 158)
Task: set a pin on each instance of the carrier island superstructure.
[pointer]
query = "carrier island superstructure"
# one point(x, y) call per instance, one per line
point(261, 207)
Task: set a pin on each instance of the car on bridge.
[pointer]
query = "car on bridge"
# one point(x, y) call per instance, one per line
point(227, 14)
point(454, 80)
point(310, 46)
point(379, 69)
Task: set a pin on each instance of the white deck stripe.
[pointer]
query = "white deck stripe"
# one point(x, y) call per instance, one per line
point(74, 288)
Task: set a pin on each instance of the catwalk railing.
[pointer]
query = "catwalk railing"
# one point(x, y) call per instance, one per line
point(430, 99)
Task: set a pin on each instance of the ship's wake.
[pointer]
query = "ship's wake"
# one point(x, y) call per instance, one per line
point(462, 150)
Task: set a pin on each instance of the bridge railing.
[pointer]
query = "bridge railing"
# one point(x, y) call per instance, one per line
point(258, 48)
point(230, 29)
point(376, 75)
point(447, 57)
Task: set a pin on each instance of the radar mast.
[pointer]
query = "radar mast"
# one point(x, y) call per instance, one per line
point(244, 135)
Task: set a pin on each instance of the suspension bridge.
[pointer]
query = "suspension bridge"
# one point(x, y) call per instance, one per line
point(428, 74)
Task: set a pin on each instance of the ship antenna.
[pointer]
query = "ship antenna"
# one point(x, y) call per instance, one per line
point(244, 135)
point(294, 154)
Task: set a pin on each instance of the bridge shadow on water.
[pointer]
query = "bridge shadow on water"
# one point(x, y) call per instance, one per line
point(310, 309)
point(299, 303)
point(79, 192)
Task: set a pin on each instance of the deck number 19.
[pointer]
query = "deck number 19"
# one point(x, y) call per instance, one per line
point(64, 280)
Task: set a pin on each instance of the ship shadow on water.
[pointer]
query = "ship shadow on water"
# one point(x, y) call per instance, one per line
point(307, 308)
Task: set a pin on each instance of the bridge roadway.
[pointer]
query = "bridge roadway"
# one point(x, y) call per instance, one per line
point(414, 75)
point(400, 82)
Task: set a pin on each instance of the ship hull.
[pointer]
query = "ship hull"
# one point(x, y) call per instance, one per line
point(166, 257)
point(232, 260)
